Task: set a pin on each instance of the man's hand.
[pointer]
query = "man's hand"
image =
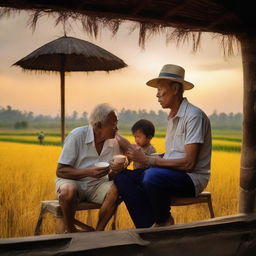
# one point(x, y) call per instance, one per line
point(117, 167)
point(124, 144)
point(97, 172)
point(136, 154)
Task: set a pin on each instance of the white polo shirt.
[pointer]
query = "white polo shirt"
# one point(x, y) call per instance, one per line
point(79, 151)
point(190, 125)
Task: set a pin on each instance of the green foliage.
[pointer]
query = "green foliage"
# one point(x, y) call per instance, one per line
point(22, 137)
point(27, 141)
point(21, 125)
point(127, 117)
point(226, 121)
point(226, 148)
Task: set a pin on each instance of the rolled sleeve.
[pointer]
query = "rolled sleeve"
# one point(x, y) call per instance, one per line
point(194, 131)
point(70, 151)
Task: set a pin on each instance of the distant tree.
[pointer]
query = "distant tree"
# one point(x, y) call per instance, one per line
point(21, 125)
point(226, 121)
point(161, 118)
point(10, 117)
point(84, 117)
point(74, 115)
point(30, 115)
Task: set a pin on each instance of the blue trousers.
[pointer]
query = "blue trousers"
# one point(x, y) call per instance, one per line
point(147, 193)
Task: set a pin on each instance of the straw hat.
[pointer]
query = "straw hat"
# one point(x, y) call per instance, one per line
point(171, 72)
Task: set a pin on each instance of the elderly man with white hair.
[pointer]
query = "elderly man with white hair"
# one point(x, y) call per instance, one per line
point(78, 178)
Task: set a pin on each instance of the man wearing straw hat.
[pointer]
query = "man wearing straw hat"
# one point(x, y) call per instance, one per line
point(183, 171)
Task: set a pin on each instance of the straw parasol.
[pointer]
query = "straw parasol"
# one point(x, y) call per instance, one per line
point(69, 54)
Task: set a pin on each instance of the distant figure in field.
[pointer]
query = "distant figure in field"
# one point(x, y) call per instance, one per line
point(183, 171)
point(143, 131)
point(40, 137)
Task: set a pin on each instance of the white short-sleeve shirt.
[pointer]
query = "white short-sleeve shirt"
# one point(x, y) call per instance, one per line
point(79, 151)
point(190, 125)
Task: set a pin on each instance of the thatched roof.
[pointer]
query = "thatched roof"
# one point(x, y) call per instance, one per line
point(179, 19)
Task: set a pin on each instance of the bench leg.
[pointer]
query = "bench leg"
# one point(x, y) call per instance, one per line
point(43, 210)
point(211, 208)
point(60, 227)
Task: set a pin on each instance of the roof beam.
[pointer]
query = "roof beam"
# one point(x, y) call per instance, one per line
point(139, 7)
point(218, 20)
point(174, 10)
point(221, 18)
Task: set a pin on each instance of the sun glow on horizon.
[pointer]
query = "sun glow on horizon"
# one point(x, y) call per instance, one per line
point(215, 78)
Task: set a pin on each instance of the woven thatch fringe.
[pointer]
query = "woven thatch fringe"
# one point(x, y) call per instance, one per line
point(41, 72)
point(47, 72)
point(93, 25)
point(230, 45)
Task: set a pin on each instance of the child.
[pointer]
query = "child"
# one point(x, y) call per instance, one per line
point(143, 131)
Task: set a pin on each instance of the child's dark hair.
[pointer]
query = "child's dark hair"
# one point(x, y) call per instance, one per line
point(145, 126)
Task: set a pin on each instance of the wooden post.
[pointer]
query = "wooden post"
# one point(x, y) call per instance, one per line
point(248, 156)
point(62, 93)
point(62, 96)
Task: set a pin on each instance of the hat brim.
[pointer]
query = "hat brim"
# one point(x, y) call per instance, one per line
point(154, 82)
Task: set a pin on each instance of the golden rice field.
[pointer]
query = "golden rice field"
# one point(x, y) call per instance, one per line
point(28, 177)
point(32, 138)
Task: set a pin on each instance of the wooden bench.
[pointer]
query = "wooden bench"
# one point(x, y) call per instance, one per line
point(204, 197)
point(53, 207)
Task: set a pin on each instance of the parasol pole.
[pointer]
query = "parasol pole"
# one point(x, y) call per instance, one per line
point(62, 92)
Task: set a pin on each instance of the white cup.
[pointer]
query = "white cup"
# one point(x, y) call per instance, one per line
point(119, 159)
point(102, 164)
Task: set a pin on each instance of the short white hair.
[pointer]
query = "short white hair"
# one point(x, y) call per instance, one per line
point(100, 114)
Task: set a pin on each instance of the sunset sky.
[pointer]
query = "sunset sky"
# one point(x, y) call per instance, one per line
point(218, 80)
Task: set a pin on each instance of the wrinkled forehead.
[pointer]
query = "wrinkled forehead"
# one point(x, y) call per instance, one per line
point(162, 83)
point(165, 85)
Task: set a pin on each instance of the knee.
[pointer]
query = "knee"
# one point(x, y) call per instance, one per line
point(120, 178)
point(150, 176)
point(67, 192)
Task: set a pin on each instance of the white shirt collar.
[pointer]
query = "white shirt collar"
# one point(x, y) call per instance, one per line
point(181, 111)
point(90, 138)
point(182, 108)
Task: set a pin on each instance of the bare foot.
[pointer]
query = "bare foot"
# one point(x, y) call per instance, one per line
point(85, 229)
point(169, 222)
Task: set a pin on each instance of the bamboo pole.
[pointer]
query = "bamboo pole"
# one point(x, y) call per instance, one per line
point(247, 202)
point(62, 89)
point(62, 98)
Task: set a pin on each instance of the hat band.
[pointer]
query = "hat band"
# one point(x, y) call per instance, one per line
point(170, 75)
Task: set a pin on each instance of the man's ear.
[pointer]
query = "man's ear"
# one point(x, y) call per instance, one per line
point(98, 125)
point(176, 88)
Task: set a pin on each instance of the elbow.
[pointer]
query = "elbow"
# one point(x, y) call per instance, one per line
point(59, 171)
point(190, 166)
